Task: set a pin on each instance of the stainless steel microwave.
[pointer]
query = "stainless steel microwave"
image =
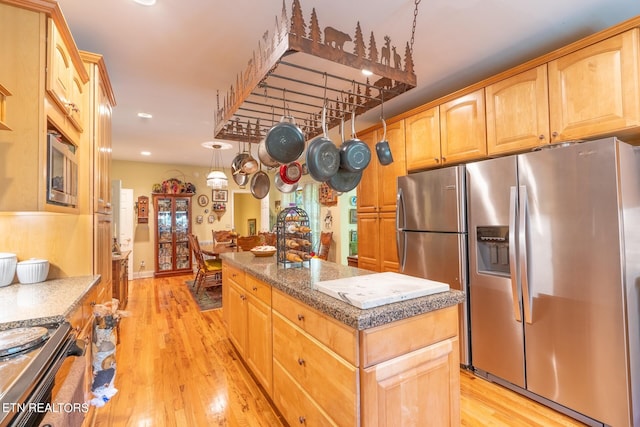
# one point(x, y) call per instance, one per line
point(62, 171)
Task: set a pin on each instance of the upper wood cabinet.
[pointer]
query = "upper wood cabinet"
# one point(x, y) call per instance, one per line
point(368, 186)
point(388, 175)
point(518, 112)
point(99, 104)
point(595, 90)
point(422, 133)
point(64, 83)
point(463, 133)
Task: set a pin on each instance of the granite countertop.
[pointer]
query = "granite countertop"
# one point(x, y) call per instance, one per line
point(299, 283)
point(51, 301)
point(119, 256)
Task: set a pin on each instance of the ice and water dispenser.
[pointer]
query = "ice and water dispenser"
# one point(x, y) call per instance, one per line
point(493, 250)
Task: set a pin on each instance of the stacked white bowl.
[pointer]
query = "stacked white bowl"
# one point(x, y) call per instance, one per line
point(8, 263)
point(32, 270)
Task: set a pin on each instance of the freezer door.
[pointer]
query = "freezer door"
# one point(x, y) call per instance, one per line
point(441, 257)
point(497, 342)
point(433, 200)
point(575, 341)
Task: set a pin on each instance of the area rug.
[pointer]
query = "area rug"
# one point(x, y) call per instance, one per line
point(207, 299)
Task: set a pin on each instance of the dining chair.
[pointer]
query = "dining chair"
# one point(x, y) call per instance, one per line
point(221, 236)
point(268, 238)
point(326, 238)
point(209, 269)
point(246, 243)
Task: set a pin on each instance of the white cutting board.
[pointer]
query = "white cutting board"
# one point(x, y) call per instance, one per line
point(377, 289)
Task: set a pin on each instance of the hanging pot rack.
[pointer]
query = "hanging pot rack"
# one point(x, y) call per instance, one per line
point(292, 73)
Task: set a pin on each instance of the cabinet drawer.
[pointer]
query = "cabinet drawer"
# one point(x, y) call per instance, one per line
point(327, 378)
point(258, 289)
point(232, 273)
point(335, 335)
point(397, 338)
point(295, 405)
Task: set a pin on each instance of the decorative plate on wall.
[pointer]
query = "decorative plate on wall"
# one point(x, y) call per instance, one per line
point(203, 200)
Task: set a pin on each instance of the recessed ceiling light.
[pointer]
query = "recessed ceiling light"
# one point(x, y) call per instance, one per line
point(145, 115)
point(145, 153)
point(146, 2)
point(367, 72)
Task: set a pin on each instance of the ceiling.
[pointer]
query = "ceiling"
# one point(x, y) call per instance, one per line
point(171, 59)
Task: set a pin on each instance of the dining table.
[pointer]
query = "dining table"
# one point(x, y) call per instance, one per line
point(214, 250)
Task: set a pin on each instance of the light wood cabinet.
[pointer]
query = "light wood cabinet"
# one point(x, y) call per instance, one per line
point(518, 112)
point(99, 103)
point(249, 324)
point(423, 140)
point(173, 225)
point(379, 251)
point(329, 374)
point(64, 83)
point(102, 254)
point(463, 133)
point(377, 201)
point(596, 90)
point(120, 278)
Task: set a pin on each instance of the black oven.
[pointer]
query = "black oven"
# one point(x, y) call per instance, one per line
point(28, 377)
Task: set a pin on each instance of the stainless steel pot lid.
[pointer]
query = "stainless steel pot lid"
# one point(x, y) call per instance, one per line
point(16, 340)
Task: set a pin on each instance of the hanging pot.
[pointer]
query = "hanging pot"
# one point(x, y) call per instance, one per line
point(285, 141)
point(383, 150)
point(344, 180)
point(355, 154)
point(241, 179)
point(248, 165)
point(323, 157)
point(236, 163)
point(284, 187)
point(291, 172)
point(260, 184)
point(264, 157)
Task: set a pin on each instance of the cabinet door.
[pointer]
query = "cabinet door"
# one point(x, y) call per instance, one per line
point(164, 234)
point(102, 149)
point(368, 242)
point(595, 90)
point(423, 139)
point(400, 391)
point(59, 78)
point(388, 246)
point(237, 317)
point(259, 354)
point(387, 175)
point(102, 254)
point(518, 112)
point(368, 187)
point(463, 128)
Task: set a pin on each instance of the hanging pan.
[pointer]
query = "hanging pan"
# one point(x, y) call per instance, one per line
point(248, 165)
point(282, 186)
point(323, 157)
point(344, 180)
point(383, 150)
point(260, 184)
point(285, 140)
point(355, 154)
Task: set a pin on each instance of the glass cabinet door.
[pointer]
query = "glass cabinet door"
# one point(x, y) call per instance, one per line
point(183, 259)
point(165, 234)
point(173, 225)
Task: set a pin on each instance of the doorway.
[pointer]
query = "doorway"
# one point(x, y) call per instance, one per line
point(247, 214)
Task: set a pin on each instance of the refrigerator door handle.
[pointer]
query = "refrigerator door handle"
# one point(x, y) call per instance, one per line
point(400, 239)
point(522, 245)
point(513, 207)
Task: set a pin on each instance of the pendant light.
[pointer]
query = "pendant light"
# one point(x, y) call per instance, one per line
point(216, 178)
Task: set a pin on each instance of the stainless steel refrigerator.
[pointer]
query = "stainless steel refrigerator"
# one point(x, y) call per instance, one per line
point(432, 233)
point(554, 277)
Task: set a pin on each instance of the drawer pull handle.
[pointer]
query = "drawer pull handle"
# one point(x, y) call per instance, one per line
point(301, 361)
point(301, 317)
point(302, 420)
point(255, 289)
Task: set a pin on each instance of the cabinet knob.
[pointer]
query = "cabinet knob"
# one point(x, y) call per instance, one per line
point(301, 317)
point(255, 289)
point(302, 419)
point(541, 137)
point(301, 361)
point(437, 160)
point(444, 159)
point(554, 134)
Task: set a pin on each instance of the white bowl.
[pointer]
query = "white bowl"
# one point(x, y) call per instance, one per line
point(32, 270)
point(7, 268)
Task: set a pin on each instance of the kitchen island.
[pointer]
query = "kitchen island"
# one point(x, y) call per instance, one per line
point(325, 362)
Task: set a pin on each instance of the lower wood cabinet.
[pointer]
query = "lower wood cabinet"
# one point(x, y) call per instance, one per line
point(377, 247)
point(325, 373)
point(120, 279)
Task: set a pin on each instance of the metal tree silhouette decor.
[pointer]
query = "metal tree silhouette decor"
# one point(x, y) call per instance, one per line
point(300, 66)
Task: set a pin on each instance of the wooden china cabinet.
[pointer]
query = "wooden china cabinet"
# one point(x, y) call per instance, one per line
point(172, 228)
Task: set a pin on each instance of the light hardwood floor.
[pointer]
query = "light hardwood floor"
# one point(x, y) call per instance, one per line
point(176, 367)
